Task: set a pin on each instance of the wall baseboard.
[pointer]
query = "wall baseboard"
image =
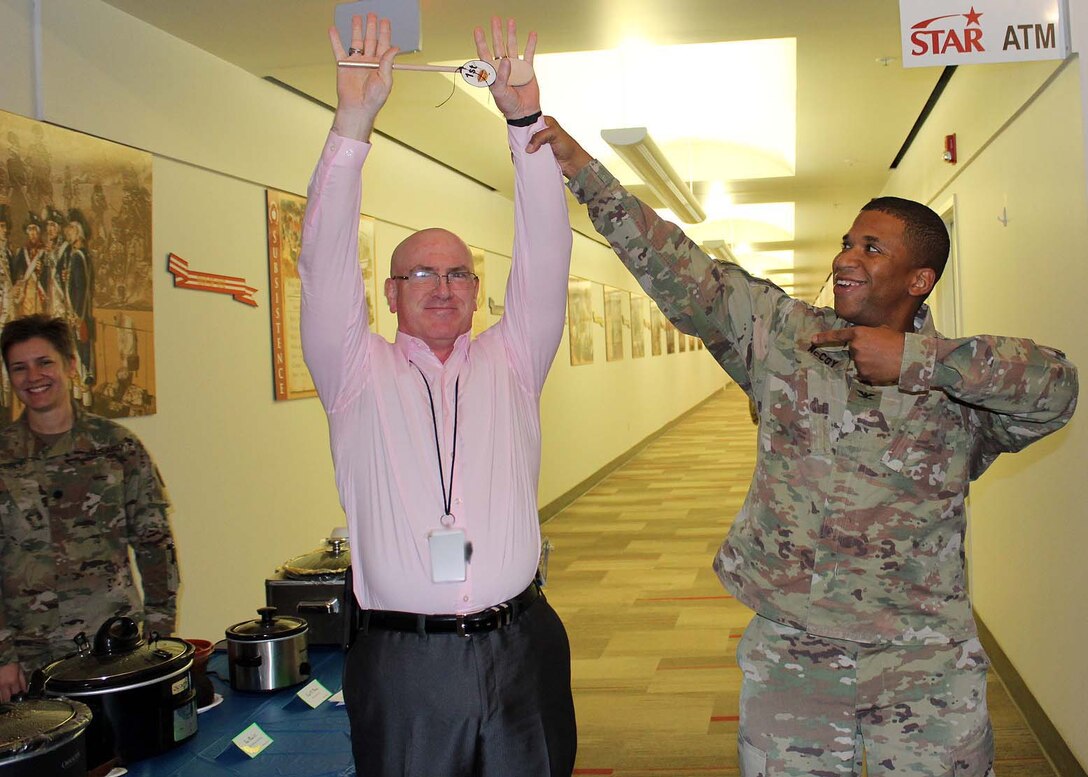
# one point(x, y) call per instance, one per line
point(556, 506)
point(1054, 747)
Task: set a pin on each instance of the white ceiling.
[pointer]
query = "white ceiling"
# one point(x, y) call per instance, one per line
point(853, 112)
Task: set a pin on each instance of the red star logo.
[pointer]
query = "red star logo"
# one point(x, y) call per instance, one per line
point(972, 17)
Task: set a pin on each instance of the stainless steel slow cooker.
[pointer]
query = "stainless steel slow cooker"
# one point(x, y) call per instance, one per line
point(268, 653)
point(139, 692)
point(43, 737)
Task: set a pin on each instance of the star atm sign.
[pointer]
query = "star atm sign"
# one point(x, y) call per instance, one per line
point(951, 32)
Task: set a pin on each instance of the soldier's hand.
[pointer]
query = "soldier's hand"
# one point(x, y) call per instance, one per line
point(12, 682)
point(877, 352)
point(570, 156)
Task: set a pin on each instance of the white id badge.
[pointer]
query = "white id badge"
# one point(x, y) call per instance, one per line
point(447, 555)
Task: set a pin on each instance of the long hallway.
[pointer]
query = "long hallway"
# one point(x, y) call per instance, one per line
point(652, 632)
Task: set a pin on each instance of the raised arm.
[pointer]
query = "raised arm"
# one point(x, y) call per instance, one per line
point(536, 292)
point(718, 301)
point(334, 313)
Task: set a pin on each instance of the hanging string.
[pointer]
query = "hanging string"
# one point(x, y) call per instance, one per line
point(453, 90)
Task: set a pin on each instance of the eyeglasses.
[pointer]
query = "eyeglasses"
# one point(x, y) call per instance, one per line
point(457, 279)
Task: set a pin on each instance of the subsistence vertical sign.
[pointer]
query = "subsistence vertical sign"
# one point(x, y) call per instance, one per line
point(951, 32)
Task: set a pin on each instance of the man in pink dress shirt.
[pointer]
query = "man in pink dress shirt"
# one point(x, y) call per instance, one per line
point(460, 666)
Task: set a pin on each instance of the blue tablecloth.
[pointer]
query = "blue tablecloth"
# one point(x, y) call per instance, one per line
point(306, 742)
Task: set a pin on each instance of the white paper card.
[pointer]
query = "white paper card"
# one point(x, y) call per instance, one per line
point(338, 697)
point(314, 693)
point(252, 741)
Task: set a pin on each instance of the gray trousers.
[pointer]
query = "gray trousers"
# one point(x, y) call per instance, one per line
point(496, 704)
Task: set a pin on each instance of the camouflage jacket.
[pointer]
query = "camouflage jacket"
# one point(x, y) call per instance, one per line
point(69, 513)
point(854, 522)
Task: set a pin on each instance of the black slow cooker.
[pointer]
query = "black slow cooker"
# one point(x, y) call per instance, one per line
point(43, 737)
point(140, 692)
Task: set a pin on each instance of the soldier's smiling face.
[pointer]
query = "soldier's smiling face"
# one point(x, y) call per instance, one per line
point(40, 376)
point(877, 281)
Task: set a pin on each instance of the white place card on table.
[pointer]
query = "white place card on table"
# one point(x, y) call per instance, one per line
point(252, 741)
point(314, 693)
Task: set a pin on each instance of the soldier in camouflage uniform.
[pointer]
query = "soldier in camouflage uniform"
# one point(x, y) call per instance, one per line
point(849, 545)
point(76, 493)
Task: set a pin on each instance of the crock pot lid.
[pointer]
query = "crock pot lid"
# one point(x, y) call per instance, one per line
point(268, 626)
point(321, 561)
point(34, 723)
point(90, 672)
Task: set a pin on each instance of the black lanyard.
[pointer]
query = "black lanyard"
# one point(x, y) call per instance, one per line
point(447, 501)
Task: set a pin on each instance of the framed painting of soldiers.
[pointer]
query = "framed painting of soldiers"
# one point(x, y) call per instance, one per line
point(75, 243)
point(285, 211)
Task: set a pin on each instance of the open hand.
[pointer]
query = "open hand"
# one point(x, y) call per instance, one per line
point(361, 92)
point(514, 101)
point(877, 352)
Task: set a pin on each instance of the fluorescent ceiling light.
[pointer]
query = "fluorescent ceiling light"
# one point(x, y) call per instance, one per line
point(719, 250)
point(775, 265)
point(719, 111)
point(638, 150)
point(766, 222)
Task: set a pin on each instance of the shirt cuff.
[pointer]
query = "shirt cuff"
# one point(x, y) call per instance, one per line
point(518, 137)
point(344, 152)
point(919, 361)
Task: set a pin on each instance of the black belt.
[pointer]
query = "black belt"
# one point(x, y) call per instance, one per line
point(497, 617)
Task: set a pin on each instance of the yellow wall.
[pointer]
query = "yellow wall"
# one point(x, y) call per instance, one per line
point(251, 478)
point(1022, 157)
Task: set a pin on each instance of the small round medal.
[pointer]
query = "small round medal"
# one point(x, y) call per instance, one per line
point(478, 73)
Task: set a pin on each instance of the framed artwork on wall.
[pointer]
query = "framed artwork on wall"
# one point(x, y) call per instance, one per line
point(580, 320)
point(75, 243)
point(616, 303)
point(640, 325)
point(481, 319)
point(290, 377)
point(658, 324)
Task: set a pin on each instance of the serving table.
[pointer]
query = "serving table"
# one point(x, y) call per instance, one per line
point(307, 742)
